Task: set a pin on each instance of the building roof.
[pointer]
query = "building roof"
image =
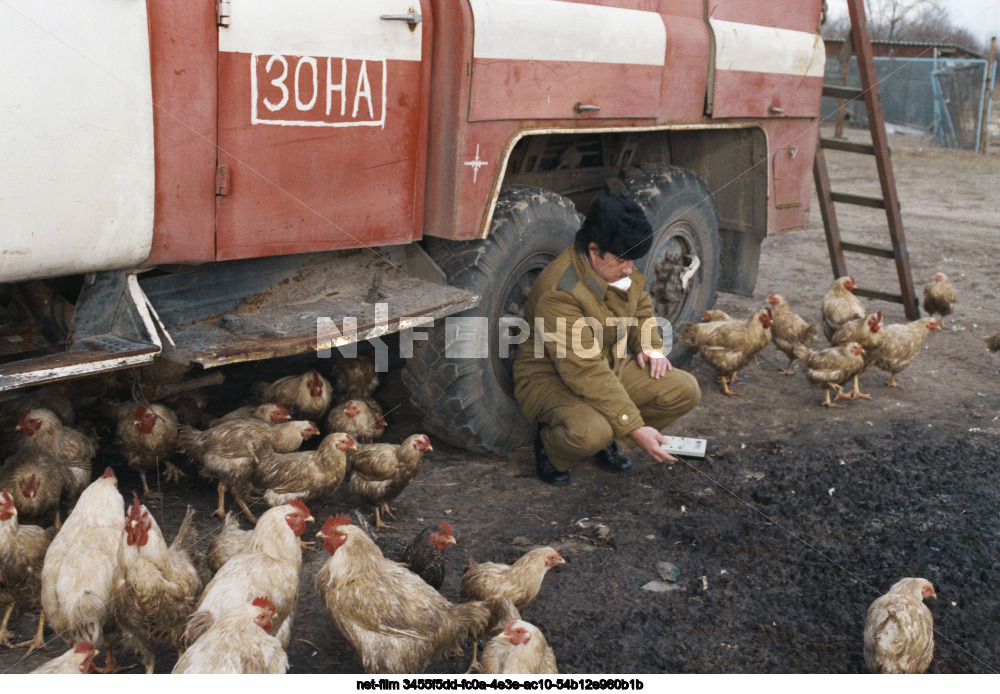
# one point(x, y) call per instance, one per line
point(909, 49)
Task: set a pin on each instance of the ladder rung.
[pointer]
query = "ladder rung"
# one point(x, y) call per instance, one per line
point(884, 296)
point(840, 92)
point(863, 200)
point(846, 146)
point(867, 250)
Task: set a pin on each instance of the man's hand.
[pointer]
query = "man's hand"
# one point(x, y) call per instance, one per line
point(649, 440)
point(658, 364)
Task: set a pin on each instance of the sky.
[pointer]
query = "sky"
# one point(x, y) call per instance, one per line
point(980, 17)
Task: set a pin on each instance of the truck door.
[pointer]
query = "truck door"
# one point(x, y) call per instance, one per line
point(768, 58)
point(322, 125)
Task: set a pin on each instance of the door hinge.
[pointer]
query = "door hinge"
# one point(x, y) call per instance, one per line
point(222, 180)
point(222, 13)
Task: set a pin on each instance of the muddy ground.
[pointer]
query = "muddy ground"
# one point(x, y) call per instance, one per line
point(783, 536)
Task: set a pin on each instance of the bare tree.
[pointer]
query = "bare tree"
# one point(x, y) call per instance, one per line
point(925, 21)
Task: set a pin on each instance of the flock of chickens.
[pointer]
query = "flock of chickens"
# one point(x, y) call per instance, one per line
point(858, 339)
point(106, 573)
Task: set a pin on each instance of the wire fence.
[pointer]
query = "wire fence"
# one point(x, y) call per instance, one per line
point(942, 97)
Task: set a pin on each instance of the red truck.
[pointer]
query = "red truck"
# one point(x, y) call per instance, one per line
point(209, 182)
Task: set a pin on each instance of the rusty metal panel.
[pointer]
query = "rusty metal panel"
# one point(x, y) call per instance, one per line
point(322, 122)
point(263, 308)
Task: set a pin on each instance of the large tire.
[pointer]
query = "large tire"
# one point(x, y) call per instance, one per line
point(686, 227)
point(469, 402)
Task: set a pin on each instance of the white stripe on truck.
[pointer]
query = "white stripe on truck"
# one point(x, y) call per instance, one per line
point(567, 31)
point(752, 48)
point(337, 28)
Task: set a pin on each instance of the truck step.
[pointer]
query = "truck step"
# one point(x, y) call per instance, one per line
point(273, 307)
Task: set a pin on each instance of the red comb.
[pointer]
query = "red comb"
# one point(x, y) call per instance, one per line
point(135, 510)
point(5, 498)
point(302, 508)
point(23, 419)
point(447, 529)
point(264, 603)
point(108, 474)
point(84, 647)
point(140, 410)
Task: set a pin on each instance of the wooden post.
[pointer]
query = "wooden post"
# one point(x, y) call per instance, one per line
point(845, 65)
point(984, 116)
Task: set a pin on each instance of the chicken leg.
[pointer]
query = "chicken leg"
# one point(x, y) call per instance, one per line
point(221, 510)
point(474, 664)
point(378, 521)
point(725, 388)
point(246, 509)
point(892, 382)
point(4, 634)
point(788, 371)
point(38, 641)
point(856, 391)
point(172, 472)
point(148, 493)
point(827, 403)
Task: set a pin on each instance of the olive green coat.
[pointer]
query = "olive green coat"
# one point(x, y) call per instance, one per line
point(590, 358)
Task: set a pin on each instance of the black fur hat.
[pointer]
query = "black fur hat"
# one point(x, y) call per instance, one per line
point(618, 226)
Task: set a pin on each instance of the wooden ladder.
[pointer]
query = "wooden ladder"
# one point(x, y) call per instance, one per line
point(879, 148)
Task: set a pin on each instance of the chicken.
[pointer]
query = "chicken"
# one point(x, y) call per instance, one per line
point(155, 586)
point(518, 582)
point(840, 305)
point(270, 565)
point(833, 367)
point(271, 412)
point(899, 629)
point(520, 649)
point(392, 619)
point(78, 573)
point(356, 418)
point(39, 484)
point(355, 378)
point(713, 315)
point(380, 471)
point(868, 333)
point(424, 554)
point(900, 345)
point(77, 660)
point(306, 396)
point(993, 343)
point(308, 476)
point(229, 452)
point(22, 549)
point(238, 643)
point(728, 346)
point(230, 541)
point(939, 297)
point(149, 436)
point(51, 397)
point(789, 329)
point(43, 432)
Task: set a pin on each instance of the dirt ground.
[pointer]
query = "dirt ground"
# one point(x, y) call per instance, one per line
point(797, 520)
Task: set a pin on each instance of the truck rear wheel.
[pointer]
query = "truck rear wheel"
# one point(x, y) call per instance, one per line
point(469, 402)
point(682, 267)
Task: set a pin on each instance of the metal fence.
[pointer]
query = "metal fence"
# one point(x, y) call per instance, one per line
point(943, 97)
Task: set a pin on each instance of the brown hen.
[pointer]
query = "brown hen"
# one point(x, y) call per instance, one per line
point(392, 619)
point(309, 476)
point(380, 471)
point(306, 396)
point(833, 367)
point(148, 435)
point(840, 305)
point(939, 297)
point(900, 346)
point(44, 433)
point(789, 329)
point(357, 418)
point(868, 333)
point(728, 346)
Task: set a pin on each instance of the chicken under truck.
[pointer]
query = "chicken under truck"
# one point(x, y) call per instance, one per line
point(206, 182)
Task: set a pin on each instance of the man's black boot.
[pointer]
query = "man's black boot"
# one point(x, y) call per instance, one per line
point(613, 459)
point(546, 471)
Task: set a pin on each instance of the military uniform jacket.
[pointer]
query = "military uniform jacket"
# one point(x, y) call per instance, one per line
point(580, 328)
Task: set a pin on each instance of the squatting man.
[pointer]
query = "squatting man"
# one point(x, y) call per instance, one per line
point(576, 374)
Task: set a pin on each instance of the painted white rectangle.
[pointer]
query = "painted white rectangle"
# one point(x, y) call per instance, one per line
point(752, 48)
point(76, 137)
point(567, 31)
point(337, 28)
point(313, 101)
